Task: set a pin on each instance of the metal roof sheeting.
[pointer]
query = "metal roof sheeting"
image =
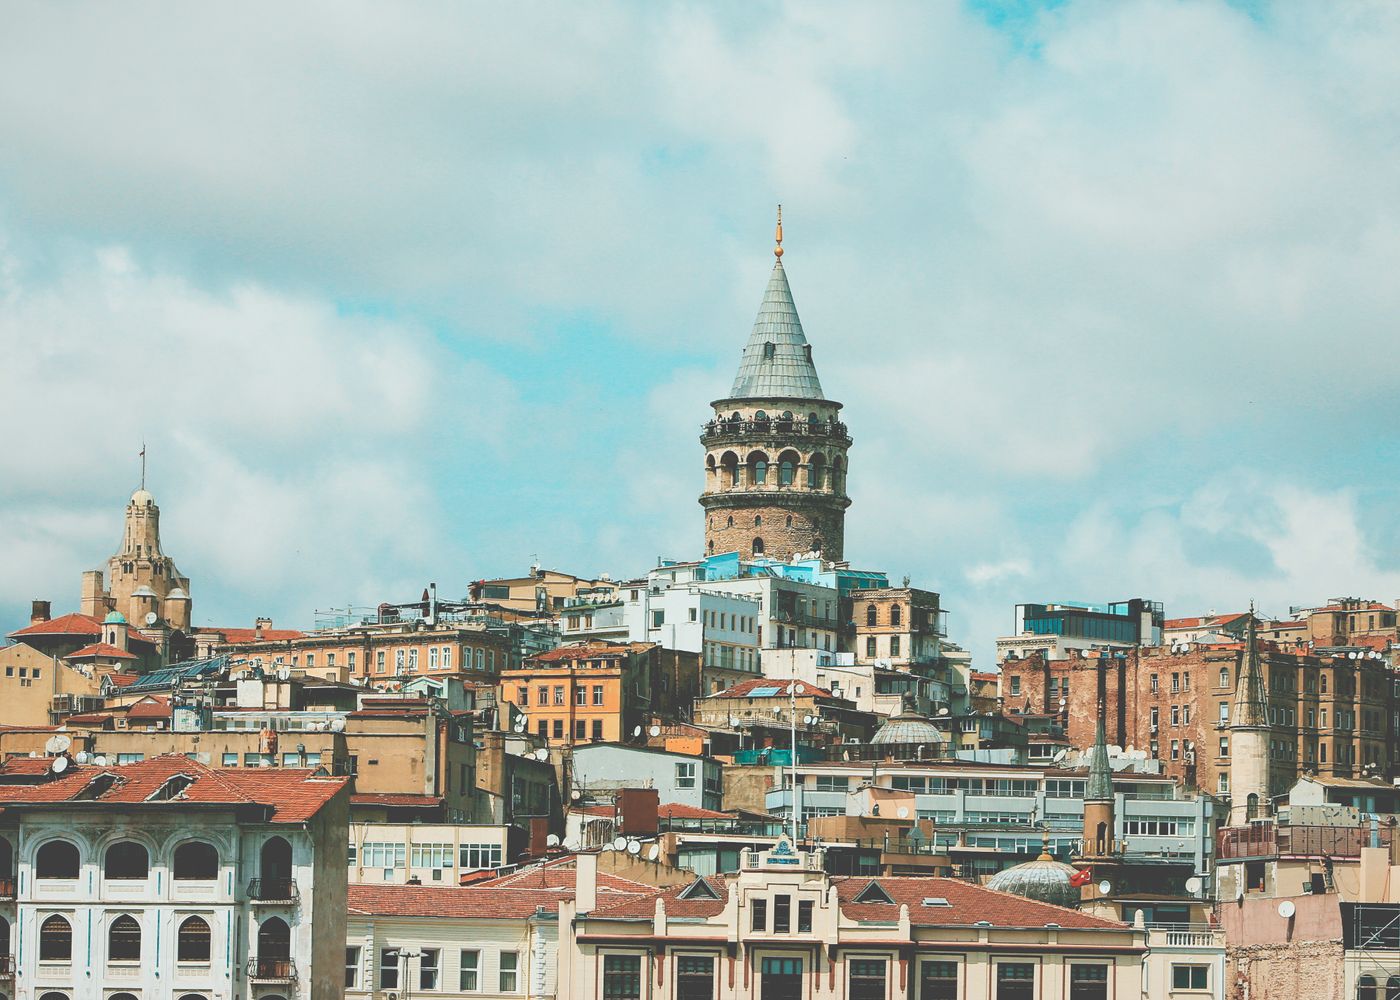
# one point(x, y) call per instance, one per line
point(784, 370)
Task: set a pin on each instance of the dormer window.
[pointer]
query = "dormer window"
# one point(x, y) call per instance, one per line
point(173, 788)
point(769, 350)
point(873, 893)
point(699, 889)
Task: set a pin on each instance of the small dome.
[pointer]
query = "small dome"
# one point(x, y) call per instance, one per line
point(908, 727)
point(177, 594)
point(1044, 879)
point(143, 498)
point(143, 591)
point(114, 618)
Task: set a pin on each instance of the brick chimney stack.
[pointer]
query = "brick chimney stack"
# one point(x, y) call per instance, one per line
point(39, 612)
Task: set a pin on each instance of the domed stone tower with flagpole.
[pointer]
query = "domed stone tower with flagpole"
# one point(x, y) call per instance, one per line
point(775, 450)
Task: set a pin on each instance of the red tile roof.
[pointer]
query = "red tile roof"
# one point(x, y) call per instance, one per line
point(74, 624)
point(122, 680)
point(679, 810)
point(743, 688)
point(239, 636)
point(472, 901)
point(153, 706)
point(590, 651)
point(103, 650)
point(88, 719)
point(294, 795)
point(394, 799)
point(562, 873)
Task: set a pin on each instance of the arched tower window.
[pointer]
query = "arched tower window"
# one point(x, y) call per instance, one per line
point(758, 546)
point(55, 940)
point(731, 521)
point(896, 614)
point(758, 469)
point(758, 520)
point(816, 472)
point(789, 521)
point(770, 350)
point(124, 940)
point(870, 612)
point(730, 476)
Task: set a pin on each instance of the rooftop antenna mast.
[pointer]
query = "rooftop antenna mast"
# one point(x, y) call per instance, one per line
point(143, 463)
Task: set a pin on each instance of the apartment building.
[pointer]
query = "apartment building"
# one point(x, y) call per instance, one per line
point(167, 878)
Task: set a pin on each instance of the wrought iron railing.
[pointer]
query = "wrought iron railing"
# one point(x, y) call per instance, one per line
point(272, 890)
point(272, 970)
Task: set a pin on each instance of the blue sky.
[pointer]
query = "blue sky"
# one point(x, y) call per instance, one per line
point(422, 292)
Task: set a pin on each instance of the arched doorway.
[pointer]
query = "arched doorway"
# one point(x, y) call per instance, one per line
point(275, 871)
point(274, 959)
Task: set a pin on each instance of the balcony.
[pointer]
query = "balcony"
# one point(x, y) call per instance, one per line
point(7, 967)
point(722, 430)
point(272, 971)
point(272, 890)
point(7, 888)
point(1268, 840)
point(1160, 935)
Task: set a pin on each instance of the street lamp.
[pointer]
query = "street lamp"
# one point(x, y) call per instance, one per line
point(404, 954)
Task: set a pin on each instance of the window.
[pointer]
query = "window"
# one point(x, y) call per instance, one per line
point(1176, 683)
point(1088, 982)
point(127, 861)
point(580, 695)
point(580, 730)
point(685, 774)
point(398, 668)
point(428, 969)
point(383, 854)
point(833, 783)
point(695, 977)
point(350, 662)
point(870, 646)
point(1224, 677)
point(196, 861)
point(413, 661)
point(1224, 713)
point(1189, 977)
point(388, 968)
point(758, 916)
point(558, 729)
point(867, 979)
point(1224, 746)
point(597, 694)
point(55, 940)
point(1015, 981)
point(869, 615)
point(352, 966)
point(56, 859)
point(509, 976)
point(938, 981)
point(310, 660)
point(894, 645)
point(432, 658)
point(559, 694)
point(477, 856)
point(192, 943)
point(124, 940)
point(597, 729)
point(130, 758)
point(446, 657)
point(431, 856)
point(1176, 715)
point(1015, 685)
point(804, 916)
point(782, 914)
point(622, 977)
point(468, 966)
point(379, 662)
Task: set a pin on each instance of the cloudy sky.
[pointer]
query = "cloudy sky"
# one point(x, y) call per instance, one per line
point(399, 293)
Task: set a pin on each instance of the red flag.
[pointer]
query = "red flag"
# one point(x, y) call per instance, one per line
point(1082, 877)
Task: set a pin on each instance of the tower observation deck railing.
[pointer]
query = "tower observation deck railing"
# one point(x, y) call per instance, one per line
point(718, 430)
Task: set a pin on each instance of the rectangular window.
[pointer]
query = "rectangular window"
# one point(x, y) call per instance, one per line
point(1015, 981)
point(1189, 977)
point(938, 981)
point(894, 645)
point(509, 978)
point(432, 856)
point(432, 658)
point(468, 966)
point(782, 914)
point(868, 979)
point(758, 916)
point(477, 856)
point(598, 730)
point(230, 760)
point(310, 660)
point(388, 968)
point(130, 758)
point(580, 695)
point(695, 977)
point(622, 977)
point(685, 775)
point(1176, 716)
point(558, 729)
point(542, 696)
point(352, 967)
point(383, 854)
point(398, 660)
point(350, 662)
point(1152, 683)
point(1088, 982)
point(446, 657)
point(379, 662)
point(1015, 685)
point(428, 969)
point(1224, 712)
point(580, 730)
point(559, 694)
point(597, 694)
point(804, 916)
point(413, 661)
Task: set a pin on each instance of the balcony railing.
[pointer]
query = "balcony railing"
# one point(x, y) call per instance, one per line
point(720, 429)
point(272, 970)
point(1264, 840)
point(272, 890)
point(7, 967)
point(7, 887)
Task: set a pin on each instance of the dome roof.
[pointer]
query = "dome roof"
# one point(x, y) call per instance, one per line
point(908, 727)
point(143, 498)
point(143, 591)
point(177, 594)
point(114, 618)
point(1044, 879)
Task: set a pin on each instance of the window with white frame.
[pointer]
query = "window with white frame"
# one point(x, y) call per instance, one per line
point(685, 774)
point(383, 854)
point(509, 970)
point(432, 855)
point(468, 970)
point(476, 856)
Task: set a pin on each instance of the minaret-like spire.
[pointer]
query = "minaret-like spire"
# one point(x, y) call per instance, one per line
point(778, 249)
point(1251, 708)
point(1100, 785)
point(143, 465)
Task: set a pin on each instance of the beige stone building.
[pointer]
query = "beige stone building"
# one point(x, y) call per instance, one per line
point(542, 591)
point(775, 448)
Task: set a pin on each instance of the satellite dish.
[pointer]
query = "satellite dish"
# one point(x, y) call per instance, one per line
point(59, 765)
point(519, 726)
point(1286, 909)
point(943, 710)
point(809, 719)
point(552, 840)
point(151, 618)
point(100, 760)
point(285, 674)
point(634, 848)
point(902, 812)
point(575, 795)
point(654, 852)
point(620, 844)
point(637, 731)
point(571, 843)
point(655, 730)
point(1193, 884)
point(337, 725)
point(541, 754)
point(1063, 702)
point(799, 689)
point(1105, 887)
point(58, 743)
point(734, 721)
point(83, 757)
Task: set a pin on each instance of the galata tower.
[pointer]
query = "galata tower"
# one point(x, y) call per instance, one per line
point(775, 450)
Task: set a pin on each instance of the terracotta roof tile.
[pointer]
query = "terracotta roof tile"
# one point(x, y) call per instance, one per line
point(73, 624)
point(153, 706)
point(101, 649)
point(744, 688)
point(240, 636)
point(394, 799)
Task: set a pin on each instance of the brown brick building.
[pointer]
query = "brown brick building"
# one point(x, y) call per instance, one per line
point(775, 450)
point(1330, 715)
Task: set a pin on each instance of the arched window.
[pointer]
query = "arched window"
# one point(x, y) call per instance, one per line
point(201, 996)
point(758, 520)
point(837, 474)
point(730, 461)
point(870, 612)
point(712, 546)
point(816, 472)
point(56, 859)
point(758, 471)
point(127, 860)
point(760, 417)
point(758, 546)
point(788, 521)
point(769, 350)
point(870, 645)
point(274, 940)
point(786, 472)
point(1392, 988)
point(53, 995)
point(1366, 987)
point(4, 937)
point(7, 858)
point(55, 940)
point(730, 523)
point(1102, 834)
point(276, 868)
point(122, 996)
point(193, 941)
point(124, 940)
point(1224, 677)
point(896, 614)
point(196, 861)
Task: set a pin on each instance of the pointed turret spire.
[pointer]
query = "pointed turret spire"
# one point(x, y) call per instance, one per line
point(777, 360)
point(1100, 785)
point(1251, 708)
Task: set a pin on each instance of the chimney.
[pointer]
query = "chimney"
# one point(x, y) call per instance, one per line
point(539, 836)
point(586, 882)
point(39, 612)
point(259, 625)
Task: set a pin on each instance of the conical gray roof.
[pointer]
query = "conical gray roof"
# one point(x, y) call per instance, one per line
point(777, 361)
point(1100, 785)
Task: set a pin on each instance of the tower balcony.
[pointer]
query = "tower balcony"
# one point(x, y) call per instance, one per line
point(719, 431)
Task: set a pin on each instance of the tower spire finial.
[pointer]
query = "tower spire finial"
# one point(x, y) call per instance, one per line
point(143, 464)
point(778, 249)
